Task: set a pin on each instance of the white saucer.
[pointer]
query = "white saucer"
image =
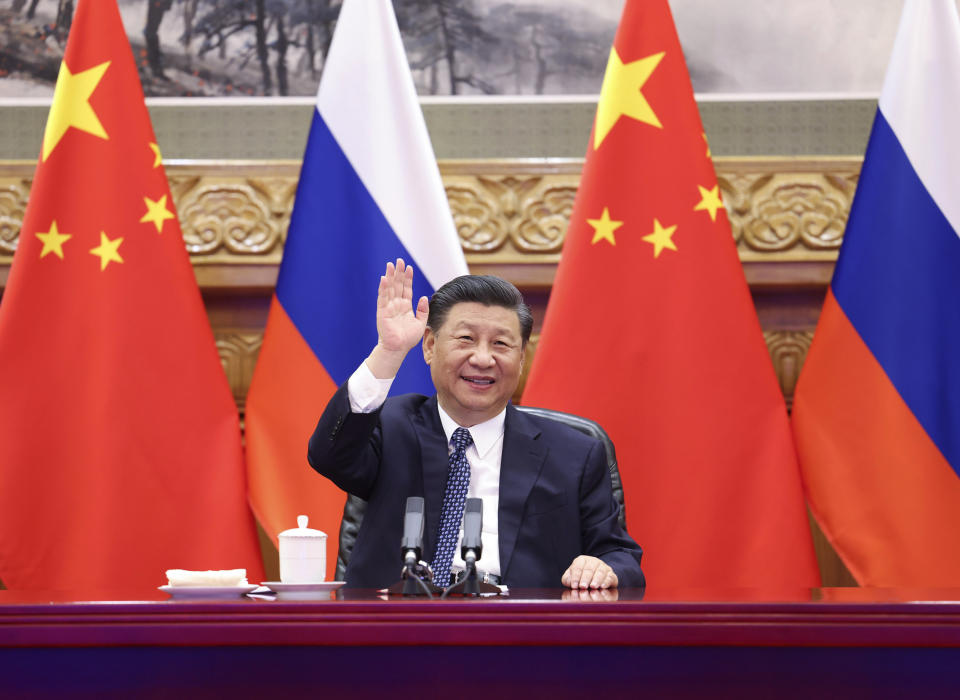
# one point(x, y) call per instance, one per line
point(302, 591)
point(207, 591)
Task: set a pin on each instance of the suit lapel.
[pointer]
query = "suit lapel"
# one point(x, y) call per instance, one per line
point(523, 457)
point(435, 463)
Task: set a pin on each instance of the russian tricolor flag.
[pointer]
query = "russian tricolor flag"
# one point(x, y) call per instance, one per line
point(369, 192)
point(877, 408)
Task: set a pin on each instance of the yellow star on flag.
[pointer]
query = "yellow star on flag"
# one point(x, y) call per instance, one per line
point(53, 241)
point(710, 201)
point(157, 158)
point(661, 238)
point(704, 134)
point(71, 106)
point(603, 227)
point(107, 251)
point(620, 94)
point(157, 212)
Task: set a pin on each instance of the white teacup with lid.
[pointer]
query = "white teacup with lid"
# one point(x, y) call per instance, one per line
point(303, 554)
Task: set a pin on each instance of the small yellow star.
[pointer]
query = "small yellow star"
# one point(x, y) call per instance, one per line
point(53, 241)
point(107, 251)
point(157, 158)
point(157, 212)
point(71, 106)
point(706, 142)
point(603, 227)
point(661, 238)
point(710, 201)
point(620, 94)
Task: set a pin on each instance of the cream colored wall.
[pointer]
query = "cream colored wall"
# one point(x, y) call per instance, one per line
point(268, 129)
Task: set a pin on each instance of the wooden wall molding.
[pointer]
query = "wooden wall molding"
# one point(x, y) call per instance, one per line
point(14, 190)
point(798, 211)
point(788, 349)
point(513, 211)
point(238, 355)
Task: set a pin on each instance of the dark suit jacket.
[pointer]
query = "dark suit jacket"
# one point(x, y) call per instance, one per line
point(556, 500)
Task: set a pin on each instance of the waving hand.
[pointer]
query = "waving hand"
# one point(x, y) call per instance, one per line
point(399, 326)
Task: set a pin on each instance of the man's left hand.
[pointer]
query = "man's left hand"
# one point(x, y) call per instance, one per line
point(589, 572)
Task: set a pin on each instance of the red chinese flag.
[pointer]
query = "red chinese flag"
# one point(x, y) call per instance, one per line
point(120, 452)
point(651, 331)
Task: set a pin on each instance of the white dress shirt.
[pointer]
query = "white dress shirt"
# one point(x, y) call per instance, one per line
point(367, 394)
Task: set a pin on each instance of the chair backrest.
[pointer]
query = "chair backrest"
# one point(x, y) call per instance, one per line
point(355, 507)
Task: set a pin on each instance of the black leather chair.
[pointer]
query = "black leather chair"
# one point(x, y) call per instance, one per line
point(355, 506)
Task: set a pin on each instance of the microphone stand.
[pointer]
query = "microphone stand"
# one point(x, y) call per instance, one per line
point(470, 584)
point(413, 573)
point(471, 547)
point(412, 580)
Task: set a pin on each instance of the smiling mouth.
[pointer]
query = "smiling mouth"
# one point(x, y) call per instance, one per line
point(479, 381)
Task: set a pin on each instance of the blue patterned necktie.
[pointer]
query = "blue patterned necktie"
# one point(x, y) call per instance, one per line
point(454, 496)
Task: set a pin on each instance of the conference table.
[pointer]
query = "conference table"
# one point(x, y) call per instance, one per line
point(823, 642)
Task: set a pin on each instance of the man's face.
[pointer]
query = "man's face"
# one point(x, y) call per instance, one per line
point(475, 360)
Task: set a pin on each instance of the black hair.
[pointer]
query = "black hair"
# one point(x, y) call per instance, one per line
point(482, 289)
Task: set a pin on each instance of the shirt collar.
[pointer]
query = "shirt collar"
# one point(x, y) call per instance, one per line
point(485, 435)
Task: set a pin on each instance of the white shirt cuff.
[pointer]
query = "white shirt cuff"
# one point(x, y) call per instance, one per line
point(366, 392)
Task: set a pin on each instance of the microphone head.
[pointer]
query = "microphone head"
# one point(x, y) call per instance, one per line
point(412, 542)
point(472, 528)
point(414, 504)
point(473, 505)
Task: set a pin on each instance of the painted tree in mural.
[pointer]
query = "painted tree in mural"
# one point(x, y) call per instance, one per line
point(276, 25)
point(222, 20)
point(156, 9)
point(449, 32)
point(256, 46)
point(203, 47)
point(60, 27)
point(537, 45)
point(320, 16)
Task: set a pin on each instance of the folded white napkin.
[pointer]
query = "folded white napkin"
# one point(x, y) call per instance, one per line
point(226, 577)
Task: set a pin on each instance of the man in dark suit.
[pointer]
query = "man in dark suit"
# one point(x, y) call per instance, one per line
point(549, 513)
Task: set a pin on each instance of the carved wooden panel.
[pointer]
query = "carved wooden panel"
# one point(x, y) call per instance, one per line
point(233, 218)
point(238, 355)
point(531, 213)
point(788, 350)
point(504, 211)
point(13, 202)
point(783, 212)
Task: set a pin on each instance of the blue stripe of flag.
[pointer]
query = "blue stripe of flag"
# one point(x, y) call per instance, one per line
point(335, 253)
point(898, 281)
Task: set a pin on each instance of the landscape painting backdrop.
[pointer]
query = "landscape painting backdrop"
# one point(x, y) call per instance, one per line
point(464, 47)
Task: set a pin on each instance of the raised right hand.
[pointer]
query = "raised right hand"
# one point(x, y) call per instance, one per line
point(399, 326)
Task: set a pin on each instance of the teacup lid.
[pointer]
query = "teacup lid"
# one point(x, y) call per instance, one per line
point(302, 530)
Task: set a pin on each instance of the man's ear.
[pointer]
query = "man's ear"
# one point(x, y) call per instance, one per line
point(429, 341)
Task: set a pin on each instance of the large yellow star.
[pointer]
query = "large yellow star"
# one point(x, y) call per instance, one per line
point(71, 106)
point(157, 158)
point(620, 94)
point(157, 212)
point(710, 201)
point(53, 241)
point(107, 251)
point(603, 227)
point(661, 238)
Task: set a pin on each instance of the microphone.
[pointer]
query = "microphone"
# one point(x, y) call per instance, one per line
point(471, 547)
point(411, 545)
